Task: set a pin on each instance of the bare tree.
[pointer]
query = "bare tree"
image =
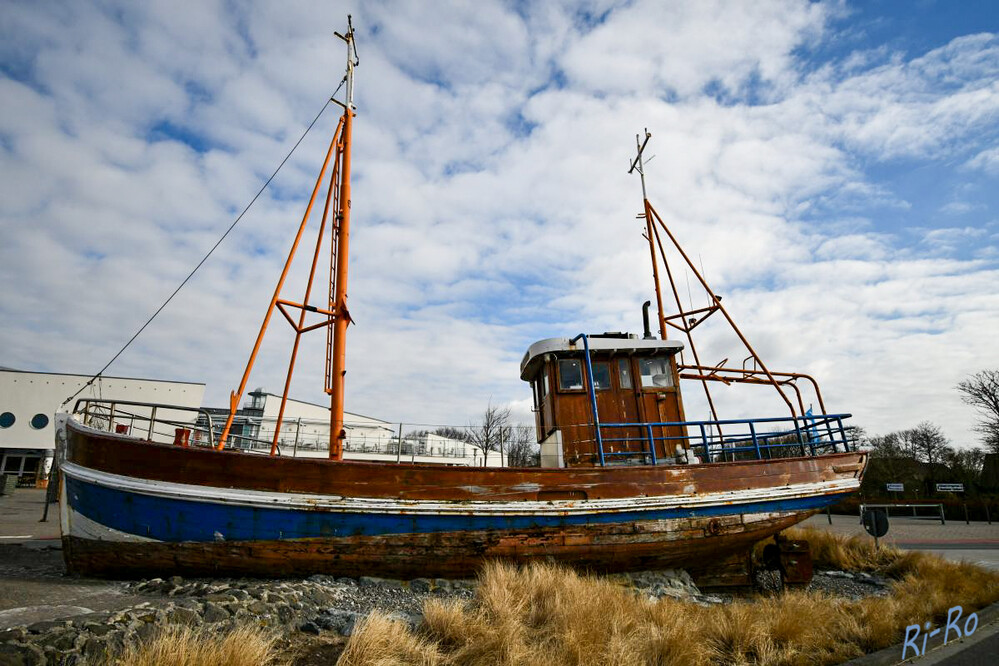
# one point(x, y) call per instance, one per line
point(981, 391)
point(459, 434)
point(886, 446)
point(492, 432)
point(926, 443)
point(966, 463)
point(523, 450)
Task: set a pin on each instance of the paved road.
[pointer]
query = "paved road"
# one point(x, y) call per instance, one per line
point(20, 514)
point(977, 542)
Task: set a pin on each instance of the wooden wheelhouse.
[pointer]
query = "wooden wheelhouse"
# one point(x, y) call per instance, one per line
point(611, 378)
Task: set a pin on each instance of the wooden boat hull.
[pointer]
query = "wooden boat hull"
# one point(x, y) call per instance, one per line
point(132, 507)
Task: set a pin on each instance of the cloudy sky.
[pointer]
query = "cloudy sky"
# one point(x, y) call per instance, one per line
point(833, 167)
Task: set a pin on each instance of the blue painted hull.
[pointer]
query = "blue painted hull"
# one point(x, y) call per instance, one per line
point(173, 520)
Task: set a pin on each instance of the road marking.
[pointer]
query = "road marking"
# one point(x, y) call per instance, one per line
point(23, 536)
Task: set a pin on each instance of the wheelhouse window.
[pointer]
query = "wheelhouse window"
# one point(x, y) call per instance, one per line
point(624, 373)
point(540, 390)
point(601, 377)
point(570, 375)
point(655, 373)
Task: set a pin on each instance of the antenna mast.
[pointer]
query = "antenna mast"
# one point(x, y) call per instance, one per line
point(638, 165)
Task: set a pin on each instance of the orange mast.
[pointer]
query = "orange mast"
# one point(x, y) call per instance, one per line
point(335, 315)
point(685, 321)
point(337, 365)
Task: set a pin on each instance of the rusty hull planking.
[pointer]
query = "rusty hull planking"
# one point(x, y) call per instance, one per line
point(603, 548)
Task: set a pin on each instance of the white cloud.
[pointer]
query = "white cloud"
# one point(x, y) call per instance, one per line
point(987, 160)
point(681, 47)
point(491, 203)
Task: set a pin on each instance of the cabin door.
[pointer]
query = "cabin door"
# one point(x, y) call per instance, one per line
point(618, 403)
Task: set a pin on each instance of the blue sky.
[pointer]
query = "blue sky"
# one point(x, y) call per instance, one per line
point(832, 165)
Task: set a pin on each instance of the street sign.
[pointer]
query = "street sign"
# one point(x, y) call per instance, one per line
point(896, 487)
point(950, 487)
point(876, 522)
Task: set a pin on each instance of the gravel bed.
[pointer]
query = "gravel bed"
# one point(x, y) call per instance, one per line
point(851, 585)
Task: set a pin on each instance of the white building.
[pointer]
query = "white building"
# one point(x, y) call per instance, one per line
point(29, 400)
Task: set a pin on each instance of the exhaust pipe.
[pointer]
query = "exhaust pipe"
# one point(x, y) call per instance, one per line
point(645, 319)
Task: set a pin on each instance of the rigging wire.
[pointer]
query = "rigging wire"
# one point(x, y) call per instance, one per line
point(211, 251)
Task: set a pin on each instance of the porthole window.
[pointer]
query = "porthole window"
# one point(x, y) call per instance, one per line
point(6, 420)
point(39, 421)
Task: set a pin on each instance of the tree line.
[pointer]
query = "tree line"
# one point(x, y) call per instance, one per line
point(922, 456)
point(496, 434)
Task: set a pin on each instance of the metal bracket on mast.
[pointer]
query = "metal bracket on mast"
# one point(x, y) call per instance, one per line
point(352, 60)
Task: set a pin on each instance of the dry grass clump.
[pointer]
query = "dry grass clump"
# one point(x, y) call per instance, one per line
point(179, 645)
point(855, 553)
point(543, 613)
point(381, 641)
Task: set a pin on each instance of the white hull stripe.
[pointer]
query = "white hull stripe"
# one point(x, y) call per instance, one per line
point(340, 504)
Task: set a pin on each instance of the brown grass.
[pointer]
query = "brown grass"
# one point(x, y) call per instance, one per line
point(855, 553)
point(382, 641)
point(546, 614)
point(182, 646)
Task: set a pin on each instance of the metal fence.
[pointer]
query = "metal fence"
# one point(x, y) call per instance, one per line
point(613, 443)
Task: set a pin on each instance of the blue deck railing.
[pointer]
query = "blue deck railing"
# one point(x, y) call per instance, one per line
point(726, 440)
point(716, 441)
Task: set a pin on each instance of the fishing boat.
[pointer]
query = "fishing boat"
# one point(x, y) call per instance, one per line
point(627, 482)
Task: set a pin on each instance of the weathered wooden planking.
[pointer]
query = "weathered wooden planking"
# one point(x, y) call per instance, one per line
point(229, 469)
point(603, 548)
